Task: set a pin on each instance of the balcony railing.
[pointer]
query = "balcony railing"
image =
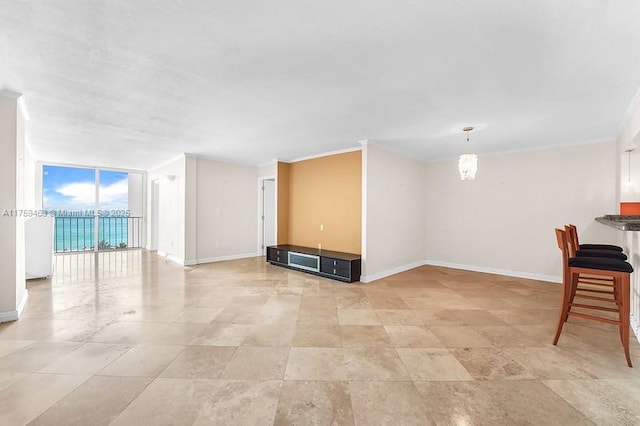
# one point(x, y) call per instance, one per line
point(77, 233)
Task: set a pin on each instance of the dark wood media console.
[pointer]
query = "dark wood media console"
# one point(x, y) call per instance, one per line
point(331, 264)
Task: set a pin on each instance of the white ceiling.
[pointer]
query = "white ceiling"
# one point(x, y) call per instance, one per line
point(132, 83)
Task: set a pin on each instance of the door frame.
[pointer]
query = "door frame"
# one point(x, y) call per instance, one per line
point(154, 237)
point(260, 250)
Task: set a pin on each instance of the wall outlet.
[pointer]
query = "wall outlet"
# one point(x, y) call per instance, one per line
point(319, 246)
point(321, 227)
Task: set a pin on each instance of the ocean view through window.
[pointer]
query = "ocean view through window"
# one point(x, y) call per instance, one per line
point(113, 221)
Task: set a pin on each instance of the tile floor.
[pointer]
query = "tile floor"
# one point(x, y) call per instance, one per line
point(130, 339)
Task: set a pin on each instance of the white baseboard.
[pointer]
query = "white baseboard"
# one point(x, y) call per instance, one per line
point(23, 303)
point(8, 316)
point(174, 259)
point(221, 258)
point(392, 271)
point(14, 315)
point(635, 327)
point(496, 271)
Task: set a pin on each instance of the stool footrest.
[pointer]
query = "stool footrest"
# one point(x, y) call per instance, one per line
point(604, 299)
point(599, 308)
point(601, 284)
point(591, 290)
point(593, 317)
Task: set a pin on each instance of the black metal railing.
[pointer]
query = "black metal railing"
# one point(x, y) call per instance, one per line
point(77, 233)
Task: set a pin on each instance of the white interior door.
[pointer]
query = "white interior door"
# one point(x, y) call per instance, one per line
point(268, 214)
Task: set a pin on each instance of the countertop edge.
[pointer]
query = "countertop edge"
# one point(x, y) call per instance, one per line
point(620, 223)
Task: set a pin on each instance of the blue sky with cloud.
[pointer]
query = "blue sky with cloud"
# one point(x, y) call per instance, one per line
point(72, 188)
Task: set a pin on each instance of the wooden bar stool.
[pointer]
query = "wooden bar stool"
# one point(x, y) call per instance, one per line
point(576, 251)
point(579, 246)
point(606, 281)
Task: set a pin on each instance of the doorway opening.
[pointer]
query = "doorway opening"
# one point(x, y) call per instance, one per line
point(94, 209)
point(267, 214)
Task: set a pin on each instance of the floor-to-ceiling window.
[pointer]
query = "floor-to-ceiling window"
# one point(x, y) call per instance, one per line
point(94, 209)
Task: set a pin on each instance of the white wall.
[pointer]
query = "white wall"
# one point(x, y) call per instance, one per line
point(227, 197)
point(191, 212)
point(503, 221)
point(171, 177)
point(30, 170)
point(393, 212)
point(12, 254)
point(268, 170)
point(135, 185)
point(20, 278)
point(135, 203)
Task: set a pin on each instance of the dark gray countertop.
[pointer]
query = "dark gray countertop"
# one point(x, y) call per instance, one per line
point(623, 223)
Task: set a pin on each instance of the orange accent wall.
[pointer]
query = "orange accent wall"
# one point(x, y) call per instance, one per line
point(630, 208)
point(325, 191)
point(282, 179)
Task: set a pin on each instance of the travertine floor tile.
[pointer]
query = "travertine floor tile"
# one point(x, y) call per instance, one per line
point(490, 364)
point(8, 378)
point(549, 363)
point(463, 336)
point(388, 403)
point(204, 362)
point(412, 336)
point(222, 334)
point(399, 317)
point(497, 403)
point(166, 402)
point(318, 302)
point(28, 398)
point(33, 357)
point(143, 361)
point(97, 401)
point(270, 335)
point(239, 402)
point(352, 301)
point(474, 317)
point(81, 331)
point(314, 402)
point(385, 300)
point(32, 328)
point(87, 359)
point(432, 364)
point(598, 400)
point(197, 315)
point(527, 316)
point(357, 317)
point(316, 364)
point(317, 335)
point(257, 363)
point(427, 346)
point(318, 316)
point(374, 364)
point(604, 362)
point(9, 346)
point(150, 333)
point(426, 302)
point(512, 337)
point(367, 336)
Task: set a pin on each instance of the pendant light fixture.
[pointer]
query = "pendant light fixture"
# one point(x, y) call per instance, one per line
point(468, 163)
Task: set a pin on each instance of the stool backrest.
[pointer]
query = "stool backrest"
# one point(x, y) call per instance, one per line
point(572, 239)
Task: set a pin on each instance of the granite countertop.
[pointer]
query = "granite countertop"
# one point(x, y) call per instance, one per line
point(623, 223)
